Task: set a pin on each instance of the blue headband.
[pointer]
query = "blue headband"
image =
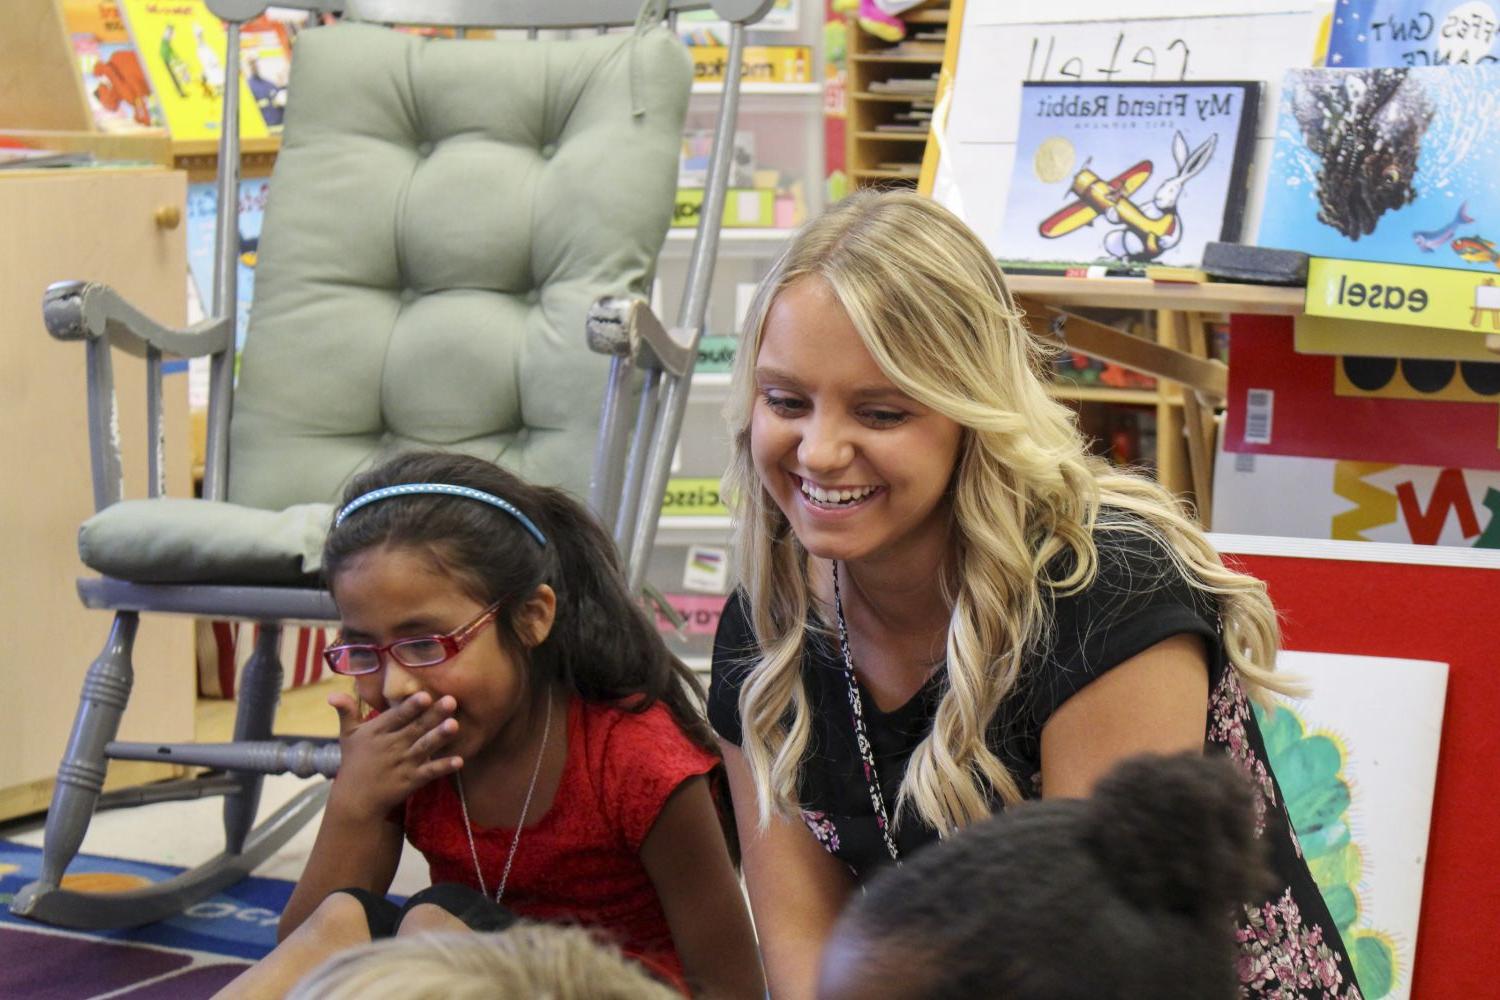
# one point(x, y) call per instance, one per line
point(413, 489)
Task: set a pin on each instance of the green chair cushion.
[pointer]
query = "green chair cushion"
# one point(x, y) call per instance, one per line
point(175, 540)
point(442, 213)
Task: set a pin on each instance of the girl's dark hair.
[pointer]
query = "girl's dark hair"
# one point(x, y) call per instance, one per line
point(1132, 892)
point(601, 645)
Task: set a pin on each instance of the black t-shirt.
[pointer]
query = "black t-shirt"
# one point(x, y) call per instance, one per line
point(1136, 600)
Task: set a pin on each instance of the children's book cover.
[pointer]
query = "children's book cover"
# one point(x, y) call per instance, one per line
point(266, 62)
point(1391, 165)
point(202, 215)
point(181, 44)
point(1355, 759)
point(119, 94)
point(1412, 33)
point(1128, 174)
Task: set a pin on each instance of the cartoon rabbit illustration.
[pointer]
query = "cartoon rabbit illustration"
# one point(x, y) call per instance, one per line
point(1151, 230)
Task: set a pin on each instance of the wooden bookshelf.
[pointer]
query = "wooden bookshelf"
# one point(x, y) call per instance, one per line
point(875, 156)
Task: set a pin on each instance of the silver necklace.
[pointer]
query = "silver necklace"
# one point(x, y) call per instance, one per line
point(463, 804)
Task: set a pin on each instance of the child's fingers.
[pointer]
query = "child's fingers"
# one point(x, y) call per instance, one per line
point(430, 742)
point(438, 768)
point(403, 714)
point(343, 703)
point(431, 717)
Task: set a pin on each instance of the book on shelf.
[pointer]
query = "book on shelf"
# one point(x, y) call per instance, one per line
point(715, 354)
point(920, 86)
point(743, 207)
point(119, 94)
point(181, 45)
point(696, 496)
point(758, 63)
point(266, 60)
point(697, 150)
point(903, 128)
point(1387, 165)
point(1128, 174)
point(27, 158)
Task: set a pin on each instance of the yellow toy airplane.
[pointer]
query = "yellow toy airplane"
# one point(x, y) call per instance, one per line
point(1096, 197)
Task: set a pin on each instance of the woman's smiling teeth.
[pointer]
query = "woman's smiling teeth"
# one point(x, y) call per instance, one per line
point(841, 497)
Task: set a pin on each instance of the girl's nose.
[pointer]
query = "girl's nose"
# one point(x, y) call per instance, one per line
point(397, 683)
point(826, 445)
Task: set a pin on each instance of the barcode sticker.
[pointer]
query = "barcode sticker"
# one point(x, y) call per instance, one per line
point(1258, 405)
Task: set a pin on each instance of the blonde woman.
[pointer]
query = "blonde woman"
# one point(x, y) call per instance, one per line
point(948, 605)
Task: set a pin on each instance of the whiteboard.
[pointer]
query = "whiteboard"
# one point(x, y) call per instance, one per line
point(1003, 44)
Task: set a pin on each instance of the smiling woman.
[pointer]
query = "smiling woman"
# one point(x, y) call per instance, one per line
point(948, 606)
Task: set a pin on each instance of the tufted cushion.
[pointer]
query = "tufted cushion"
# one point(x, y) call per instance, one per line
point(442, 213)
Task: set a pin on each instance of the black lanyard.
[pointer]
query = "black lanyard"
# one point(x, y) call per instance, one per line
point(861, 736)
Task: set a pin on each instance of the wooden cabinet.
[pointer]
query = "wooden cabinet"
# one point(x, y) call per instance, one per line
point(101, 225)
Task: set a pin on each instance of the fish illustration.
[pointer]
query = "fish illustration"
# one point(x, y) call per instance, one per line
point(1477, 249)
point(1431, 239)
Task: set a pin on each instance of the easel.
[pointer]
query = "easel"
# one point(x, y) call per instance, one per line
point(1179, 355)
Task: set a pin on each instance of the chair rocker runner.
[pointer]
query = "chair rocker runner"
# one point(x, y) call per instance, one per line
point(449, 217)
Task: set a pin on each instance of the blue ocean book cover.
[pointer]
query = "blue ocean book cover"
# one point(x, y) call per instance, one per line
point(1391, 165)
point(1127, 174)
point(1412, 33)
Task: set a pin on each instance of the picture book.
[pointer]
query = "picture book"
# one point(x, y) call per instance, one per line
point(1390, 165)
point(266, 64)
point(758, 63)
point(202, 214)
point(1127, 174)
point(1412, 33)
point(119, 94)
point(1355, 759)
point(181, 46)
point(697, 151)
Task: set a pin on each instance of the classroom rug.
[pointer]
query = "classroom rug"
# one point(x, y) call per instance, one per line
point(182, 958)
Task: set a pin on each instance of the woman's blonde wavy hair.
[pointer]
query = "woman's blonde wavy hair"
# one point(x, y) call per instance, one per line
point(931, 306)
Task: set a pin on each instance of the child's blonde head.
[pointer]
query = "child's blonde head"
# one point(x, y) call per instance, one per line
point(534, 961)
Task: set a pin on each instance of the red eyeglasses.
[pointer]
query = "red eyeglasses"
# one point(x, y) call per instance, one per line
point(355, 658)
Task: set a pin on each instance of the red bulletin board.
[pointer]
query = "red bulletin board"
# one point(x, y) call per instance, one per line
point(1428, 603)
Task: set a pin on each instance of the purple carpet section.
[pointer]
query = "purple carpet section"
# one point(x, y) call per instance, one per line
point(200, 981)
point(41, 965)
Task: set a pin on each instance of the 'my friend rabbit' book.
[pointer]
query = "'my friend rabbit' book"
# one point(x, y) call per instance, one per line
point(1125, 175)
point(1394, 165)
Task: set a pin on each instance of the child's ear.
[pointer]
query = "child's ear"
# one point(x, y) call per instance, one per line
point(534, 617)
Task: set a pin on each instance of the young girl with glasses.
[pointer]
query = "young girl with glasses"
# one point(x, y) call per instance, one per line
point(531, 735)
point(948, 605)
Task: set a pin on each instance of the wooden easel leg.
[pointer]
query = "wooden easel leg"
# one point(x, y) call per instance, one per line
point(1188, 332)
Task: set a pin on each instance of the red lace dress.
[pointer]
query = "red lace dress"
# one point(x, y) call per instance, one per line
point(580, 863)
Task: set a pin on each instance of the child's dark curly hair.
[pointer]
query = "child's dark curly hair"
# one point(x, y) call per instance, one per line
point(1131, 893)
